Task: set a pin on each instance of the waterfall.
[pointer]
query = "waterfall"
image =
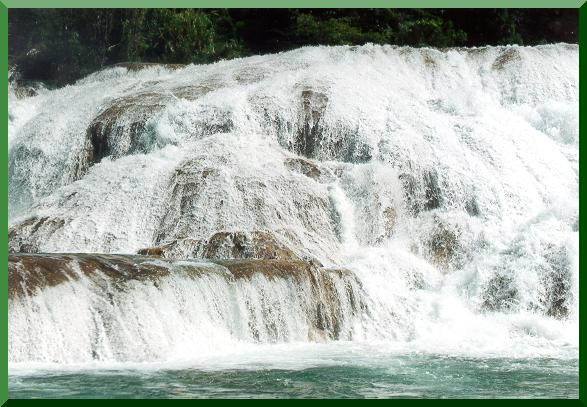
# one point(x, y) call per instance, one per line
point(421, 199)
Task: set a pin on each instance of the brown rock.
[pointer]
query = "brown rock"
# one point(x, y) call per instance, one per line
point(507, 56)
point(118, 127)
point(445, 245)
point(332, 293)
point(302, 166)
point(152, 251)
point(226, 245)
point(22, 237)
point(389, 221)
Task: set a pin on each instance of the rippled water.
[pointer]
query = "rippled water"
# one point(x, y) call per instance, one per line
point(309, 372)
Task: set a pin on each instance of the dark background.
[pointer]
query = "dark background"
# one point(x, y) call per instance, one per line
point(59, 46)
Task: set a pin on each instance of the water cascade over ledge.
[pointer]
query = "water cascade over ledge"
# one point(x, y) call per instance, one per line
point(420, 199)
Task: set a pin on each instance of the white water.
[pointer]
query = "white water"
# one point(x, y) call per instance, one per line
point(96, 318)
point(476, 149)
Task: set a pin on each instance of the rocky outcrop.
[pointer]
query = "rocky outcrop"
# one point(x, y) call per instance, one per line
point(26, 236)
point(331, 296)
point(206, 196)
point(389, 221)
point(121, 127)
point(500, 294)
point(308, 168)
point(447, 244)
point(507, 56)
point(225, 245)
point(444, 245)
point(116, 130)
point(29, 273)
point(423, 193)
point(26, 89)
point(556, 278)
point(309, 133)
point(22, 88)
point(553, 294)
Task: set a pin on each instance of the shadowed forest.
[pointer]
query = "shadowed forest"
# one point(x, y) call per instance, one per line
point(59, 46)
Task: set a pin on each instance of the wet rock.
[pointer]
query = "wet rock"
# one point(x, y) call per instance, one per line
point(27, 89)
point(415, 280)
point(432, 192)
point(23, 88)
point(152, 251)
point(309, 134)
point(410, 186)
point(500, 294)
point(28, 235)
point(26, 274)
point(117, 129)
point(389, 221)
point(226, 245)
point(422, 193)
point(331, 296)
point(556, 278)
point(272, 269)
point(313, 139)
point(286, 206)
point(29, 273)
point(472, 207)
point(302, 166)
point(428, 58)
point(332, 303)
point(444, 245)
point(317, 335)
point(507, 56)
point(256, 245)
point(121, 127)
point(187, 184)
point(353, 149)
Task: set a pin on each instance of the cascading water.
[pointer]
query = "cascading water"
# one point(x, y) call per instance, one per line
point(444, 183)
point(134, 308)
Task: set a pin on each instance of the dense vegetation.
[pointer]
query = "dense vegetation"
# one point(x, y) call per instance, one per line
point(62, 45)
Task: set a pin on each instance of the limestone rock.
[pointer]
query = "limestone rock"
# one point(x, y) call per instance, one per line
point(121, 127)
point(389, 221)
point(444, 244)
point(331, 296)
point(25, 237)
point(308, 168)
point(226, 245)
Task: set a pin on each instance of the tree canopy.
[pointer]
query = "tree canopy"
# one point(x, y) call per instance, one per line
point(62, 45)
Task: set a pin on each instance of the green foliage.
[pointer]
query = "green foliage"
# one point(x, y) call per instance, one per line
point(431, 30)
point(508, 26)
point(168, 36)
point(333, 31)
point(62, 45)
point(177, 36)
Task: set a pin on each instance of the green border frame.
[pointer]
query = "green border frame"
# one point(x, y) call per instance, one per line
point(294, 4)
point(6, 4)
point(4, 205)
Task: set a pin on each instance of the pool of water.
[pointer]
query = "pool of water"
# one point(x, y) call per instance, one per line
point(294, 374)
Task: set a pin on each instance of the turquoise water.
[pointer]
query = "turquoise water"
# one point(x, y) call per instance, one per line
point(393, 376)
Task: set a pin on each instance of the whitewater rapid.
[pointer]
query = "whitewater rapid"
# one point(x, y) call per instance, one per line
point(445, 181)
